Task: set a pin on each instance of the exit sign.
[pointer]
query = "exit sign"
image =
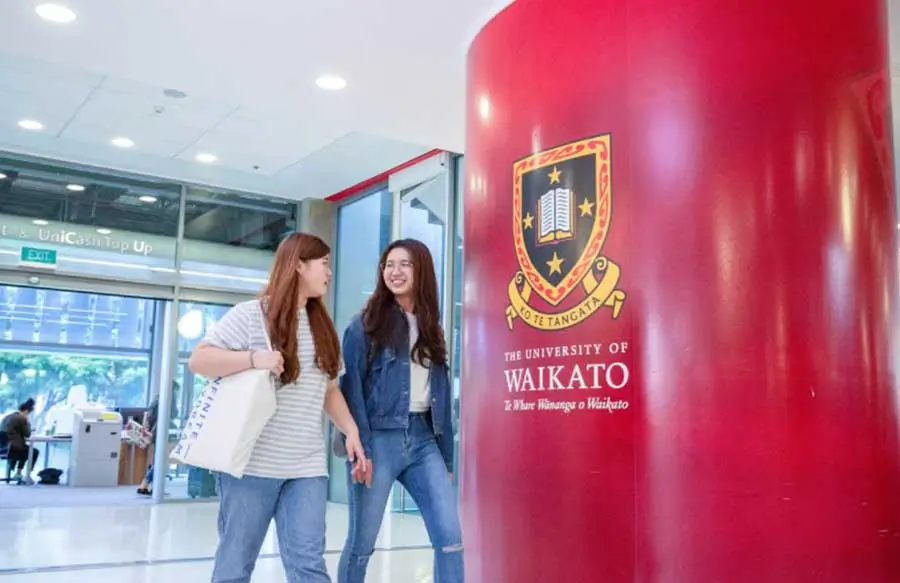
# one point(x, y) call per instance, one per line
point(37, 257)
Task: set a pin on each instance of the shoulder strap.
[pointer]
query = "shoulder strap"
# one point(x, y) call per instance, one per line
point(265, 326)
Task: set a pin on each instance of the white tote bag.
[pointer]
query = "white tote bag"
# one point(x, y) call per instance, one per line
point(227, 420)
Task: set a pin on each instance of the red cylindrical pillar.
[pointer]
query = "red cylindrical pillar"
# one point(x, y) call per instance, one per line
point(680, 282)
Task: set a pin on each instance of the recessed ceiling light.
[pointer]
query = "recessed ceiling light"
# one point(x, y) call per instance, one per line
point(55, 13)
point(75, 187)
point(3, 176)
point(205, 158)
point(147, 198)
point(122, 142)
point(104, 231)
point(331, 82)
point(30, 124)
point(40, 222)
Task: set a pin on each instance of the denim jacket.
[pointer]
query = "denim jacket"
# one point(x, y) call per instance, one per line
point(376, 388)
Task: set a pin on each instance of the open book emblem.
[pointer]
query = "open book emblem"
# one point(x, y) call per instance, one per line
point(555, 216)
point(562, 211)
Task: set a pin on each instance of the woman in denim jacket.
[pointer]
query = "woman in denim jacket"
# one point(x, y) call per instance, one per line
point(398, 390)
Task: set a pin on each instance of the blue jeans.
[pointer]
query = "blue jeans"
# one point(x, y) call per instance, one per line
point(412, 457)
point(247, 507)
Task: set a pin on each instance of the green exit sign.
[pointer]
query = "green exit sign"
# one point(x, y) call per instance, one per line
point(36, 257)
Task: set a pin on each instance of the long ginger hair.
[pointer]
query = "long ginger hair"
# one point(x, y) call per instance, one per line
point(382, 318)
point(281, 300)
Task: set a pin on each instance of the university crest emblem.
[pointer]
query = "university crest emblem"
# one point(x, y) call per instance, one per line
point(562, 210)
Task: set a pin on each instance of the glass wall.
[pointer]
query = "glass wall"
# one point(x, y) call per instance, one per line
point(65, 348)
point(92, 224)
point(84, 223)
point(250, 227)
point(198, 250)
point(364, 230)
point(80, 228)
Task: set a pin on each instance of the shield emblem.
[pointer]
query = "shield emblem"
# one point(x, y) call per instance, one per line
point(562, 205)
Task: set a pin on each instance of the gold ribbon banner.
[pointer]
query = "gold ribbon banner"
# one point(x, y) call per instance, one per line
point(599, 295)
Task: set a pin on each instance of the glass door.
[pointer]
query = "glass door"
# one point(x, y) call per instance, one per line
point(423, 216)
point(456, 303)
point(424, 212)
point(193, 321)
point(416, 204)
point(70, 350)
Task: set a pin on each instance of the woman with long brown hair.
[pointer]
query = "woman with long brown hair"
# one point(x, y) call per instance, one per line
point(287, 476)
point(398, 388)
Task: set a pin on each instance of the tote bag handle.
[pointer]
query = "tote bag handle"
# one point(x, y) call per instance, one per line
point(265, 326)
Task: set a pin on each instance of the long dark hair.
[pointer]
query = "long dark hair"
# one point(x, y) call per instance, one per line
point(383, 320)
point(281, 296)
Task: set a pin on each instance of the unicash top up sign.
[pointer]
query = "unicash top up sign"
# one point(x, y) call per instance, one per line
point(16, 232)
point(77, 237)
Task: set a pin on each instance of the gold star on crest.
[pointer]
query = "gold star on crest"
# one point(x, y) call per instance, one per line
point(555, 264)
point(528, 222)
point(586, 208)
point(554, 176)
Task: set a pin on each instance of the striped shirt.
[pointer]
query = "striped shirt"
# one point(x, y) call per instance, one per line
point(292, 444)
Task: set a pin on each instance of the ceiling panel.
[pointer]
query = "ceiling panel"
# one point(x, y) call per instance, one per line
point(242, 142)
point(105, 104)
point(34, 76)
point(345, 162)
point(284, 150)
point(248, 72)
point(43, 92)
point(16, 106)
point(258, 162)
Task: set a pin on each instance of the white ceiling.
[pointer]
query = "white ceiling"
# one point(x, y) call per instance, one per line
point(249, 70)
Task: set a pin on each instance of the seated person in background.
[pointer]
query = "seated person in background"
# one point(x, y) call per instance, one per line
point(18, 429)
point(146, 487)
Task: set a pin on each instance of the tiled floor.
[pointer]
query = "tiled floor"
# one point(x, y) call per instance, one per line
point(397, 566)
point(169, 542)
